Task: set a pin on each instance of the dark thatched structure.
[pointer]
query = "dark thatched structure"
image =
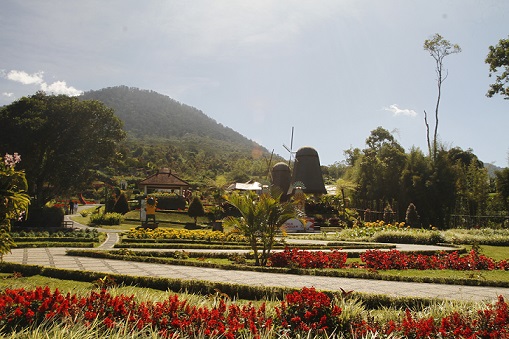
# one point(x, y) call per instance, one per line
point(307, 173)
point(281, 178)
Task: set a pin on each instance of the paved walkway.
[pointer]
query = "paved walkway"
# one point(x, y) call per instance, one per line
point(55, 257)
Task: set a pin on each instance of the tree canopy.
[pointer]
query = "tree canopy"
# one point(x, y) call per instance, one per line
point(498, 58)
point(61, 139)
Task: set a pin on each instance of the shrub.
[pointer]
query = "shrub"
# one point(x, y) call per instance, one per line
point(405, 236)
point(106, 219)
point(308, 310)
point(45, 217)
point(308, 259)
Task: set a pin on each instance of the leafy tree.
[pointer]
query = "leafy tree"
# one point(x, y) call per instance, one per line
point(502, 182)
point(379, 168)
point(472, 183)
point(261, 218)
point(195, 209)
point(438, 48)
point(498, 57)
point(62, 140)
point(14, 200)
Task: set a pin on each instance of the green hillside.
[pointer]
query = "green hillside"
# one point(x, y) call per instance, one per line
point(163, 132)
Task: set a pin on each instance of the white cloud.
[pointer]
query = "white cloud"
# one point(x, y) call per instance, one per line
point(9, 95)
point(396, 111)
point(58, 87)
point(25, 78)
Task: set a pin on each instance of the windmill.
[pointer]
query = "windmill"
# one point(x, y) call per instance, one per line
point(290, 150)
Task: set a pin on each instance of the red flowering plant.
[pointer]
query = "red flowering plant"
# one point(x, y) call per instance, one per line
point(172, 317)
point(308, 259)
point(308, 310)
point(394, 259)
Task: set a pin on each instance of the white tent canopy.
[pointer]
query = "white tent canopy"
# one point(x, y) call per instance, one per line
point(245, 186)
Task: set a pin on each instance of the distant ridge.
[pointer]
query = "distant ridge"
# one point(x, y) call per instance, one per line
point(148, 114)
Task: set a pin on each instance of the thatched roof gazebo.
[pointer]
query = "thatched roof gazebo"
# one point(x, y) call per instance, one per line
point(164, 180)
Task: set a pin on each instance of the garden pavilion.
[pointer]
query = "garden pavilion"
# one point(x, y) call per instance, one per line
point(163, 181)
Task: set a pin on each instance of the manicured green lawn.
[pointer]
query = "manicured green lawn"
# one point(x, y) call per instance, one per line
point(170, 219)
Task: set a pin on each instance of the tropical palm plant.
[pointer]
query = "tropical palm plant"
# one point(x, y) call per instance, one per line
point(261, 218)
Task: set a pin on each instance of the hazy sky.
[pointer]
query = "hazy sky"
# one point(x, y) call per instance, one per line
point(334, 70)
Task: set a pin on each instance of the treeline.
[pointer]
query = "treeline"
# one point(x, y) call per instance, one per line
point(384, 179)
point(202, 162)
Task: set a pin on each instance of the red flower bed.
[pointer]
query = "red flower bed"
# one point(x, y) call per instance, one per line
point(308, 310)
point(491, 322)
point(394, 259)
point(308, 259)
point(304, 311)
point(20, 308)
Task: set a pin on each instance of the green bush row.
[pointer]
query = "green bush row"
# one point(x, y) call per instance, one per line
point(87, 233)
point(51, 239)
point(127, 240)
point(248, 292)
point(23, 244)
point(182, 246)
point(405, 237)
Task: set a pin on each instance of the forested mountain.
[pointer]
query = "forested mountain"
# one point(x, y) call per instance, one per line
point(163, 132)
point(150, 114)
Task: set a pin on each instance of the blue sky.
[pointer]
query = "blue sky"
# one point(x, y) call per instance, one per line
point(333, 70)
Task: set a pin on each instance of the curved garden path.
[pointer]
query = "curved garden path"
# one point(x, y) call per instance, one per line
point(56, 257)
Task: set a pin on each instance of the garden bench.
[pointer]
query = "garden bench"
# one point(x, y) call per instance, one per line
point(67, 224)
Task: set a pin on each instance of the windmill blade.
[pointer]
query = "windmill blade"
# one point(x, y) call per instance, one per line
point(269, 163)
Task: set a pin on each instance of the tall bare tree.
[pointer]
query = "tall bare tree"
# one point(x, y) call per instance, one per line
point(438, 48)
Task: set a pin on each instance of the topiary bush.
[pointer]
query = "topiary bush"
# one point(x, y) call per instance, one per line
point(121, 205)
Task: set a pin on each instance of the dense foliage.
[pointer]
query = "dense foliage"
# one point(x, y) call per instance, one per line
point(454, 184)
point(260, 221)
point(61, 139)
point(498, 59)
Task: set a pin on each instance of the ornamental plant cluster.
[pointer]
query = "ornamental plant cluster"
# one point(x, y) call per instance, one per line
point(308, 259)
point(394, 259)
point(490, 322)
point(202, 235)
point(305, 311)
point(386, 260)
